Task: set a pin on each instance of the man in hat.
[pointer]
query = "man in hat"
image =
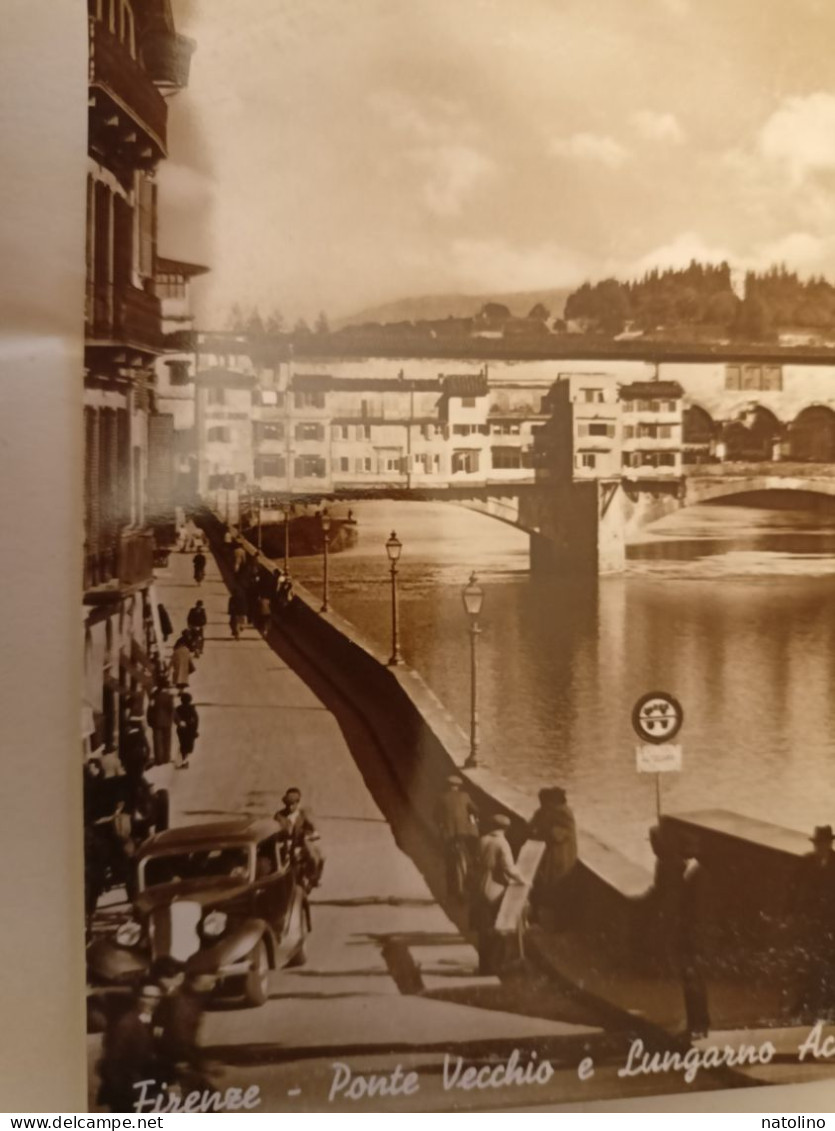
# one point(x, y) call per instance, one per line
point(813, 915)
point(495, 871)
point(457, 820)
point(553, 823)
point(300, 835)
point(129, 1052)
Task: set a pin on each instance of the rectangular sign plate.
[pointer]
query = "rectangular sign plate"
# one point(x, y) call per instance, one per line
point(663, 759)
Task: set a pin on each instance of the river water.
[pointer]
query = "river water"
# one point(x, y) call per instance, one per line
point(730, 608)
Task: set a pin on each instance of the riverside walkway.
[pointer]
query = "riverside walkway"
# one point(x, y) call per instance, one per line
point(389, 979)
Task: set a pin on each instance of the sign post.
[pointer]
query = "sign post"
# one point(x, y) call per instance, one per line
point(656, 719)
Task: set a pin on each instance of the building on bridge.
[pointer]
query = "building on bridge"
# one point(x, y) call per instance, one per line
point(314, 433)
point(136, 59)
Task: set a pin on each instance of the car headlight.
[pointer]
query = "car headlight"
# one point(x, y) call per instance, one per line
point(214, 924)
point(129, 933)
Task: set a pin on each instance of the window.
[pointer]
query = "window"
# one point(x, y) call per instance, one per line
point(506, 459)
point(754, 377)
point(270, 466)
point(468, 402)
point(586, 459)
point(629, 432)
point(266, 430)
point(310, 467)
point(665, 431)
point(392, 463)
point(309, 399)
point(126, 29)
point(217, 396)
point(268, 397)
point(670, 406)
point(364, 432)
point(219, 434)
point(601, 429)
point(666, 459)
point(310, 432)
point(343, 463)
point(146, 225)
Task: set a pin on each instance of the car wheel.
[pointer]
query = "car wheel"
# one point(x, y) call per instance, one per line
point(257, 985)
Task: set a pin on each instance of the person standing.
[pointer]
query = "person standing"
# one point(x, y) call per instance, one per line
point(181, 663)
point(199, 564)
point(129, 1053)
point(177, 1023)
point(161, 721)
point(812, 914)
point(187, 722)
point(300, 834)
point(165, 624)
point(456, 820)
point(239, 558)
point(237, 611)
point(554, 824)
point(495, 872)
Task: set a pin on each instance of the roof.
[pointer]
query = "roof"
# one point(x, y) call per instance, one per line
point(651, 390)
point(324, 382)
point(166, 266)
point(227, 378)
point(236, 831)
point(465, 385)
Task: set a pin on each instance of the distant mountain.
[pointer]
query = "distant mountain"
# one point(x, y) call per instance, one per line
point(431, 308)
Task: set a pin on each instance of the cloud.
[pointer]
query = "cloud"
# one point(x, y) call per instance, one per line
point(454, 173)
point(680, 251)
point(591, 147)
point(656, 126)
point(800, 135)
point(496, 264)
point(800, 251)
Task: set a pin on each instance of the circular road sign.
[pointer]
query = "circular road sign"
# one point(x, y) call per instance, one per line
point(657, 717)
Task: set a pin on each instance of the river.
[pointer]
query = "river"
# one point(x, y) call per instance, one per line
point(730, 608)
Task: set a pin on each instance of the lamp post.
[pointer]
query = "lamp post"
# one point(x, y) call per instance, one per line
point(286, 512)
point(473, 597)
point(393, 548)
point(325, 520)
point(260, 502)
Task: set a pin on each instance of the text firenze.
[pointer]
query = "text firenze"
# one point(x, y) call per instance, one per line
point(152, 1097)
point(456, 1075)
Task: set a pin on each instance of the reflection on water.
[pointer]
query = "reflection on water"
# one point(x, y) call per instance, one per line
point(731, 609)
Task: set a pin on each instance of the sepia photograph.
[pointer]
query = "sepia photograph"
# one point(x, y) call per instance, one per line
point(458, 553)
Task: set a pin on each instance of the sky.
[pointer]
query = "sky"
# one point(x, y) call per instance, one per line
point(333, 154)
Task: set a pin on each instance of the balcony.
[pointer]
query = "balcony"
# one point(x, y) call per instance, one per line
point(125, 315)
point(127, 563)
point(167, 57)
point(130, 98)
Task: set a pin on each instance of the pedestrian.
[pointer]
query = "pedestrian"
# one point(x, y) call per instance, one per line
point(285, 593)
point(177, 1023)
point(237, 611)
point(111, 764)
point(199, 564)
point(678, 900)
point(495, 871)
point(135, 753)
point(187, 722)
point(300, 836)
point(165, 624)
point(239, 558)
point(129, 1053)
point(812, 917)
point(456, 818)
point(554, 824)
point(181, 663)
point(196, 621)
point(161, 721)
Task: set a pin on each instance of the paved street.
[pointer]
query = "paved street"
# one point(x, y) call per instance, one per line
point(388, 980)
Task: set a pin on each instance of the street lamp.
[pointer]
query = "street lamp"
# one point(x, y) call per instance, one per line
point(473, 597)
point(393, 548)
point(325, 520)
point(286, 512)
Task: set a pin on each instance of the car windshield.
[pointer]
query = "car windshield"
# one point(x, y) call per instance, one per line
point(204, 864)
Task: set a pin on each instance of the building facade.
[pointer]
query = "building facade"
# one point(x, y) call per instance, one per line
point(136, 60)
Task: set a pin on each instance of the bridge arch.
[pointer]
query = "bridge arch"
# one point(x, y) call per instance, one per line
point(751, 437)
point(812, 435)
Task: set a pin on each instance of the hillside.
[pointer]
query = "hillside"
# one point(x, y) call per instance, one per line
point(435, 307)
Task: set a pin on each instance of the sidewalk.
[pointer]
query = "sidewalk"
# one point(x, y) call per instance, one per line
point(388, 972)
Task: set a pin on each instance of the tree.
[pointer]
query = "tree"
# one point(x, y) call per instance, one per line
point(539, 313)
point(275, 322)
point(753, 322)
point(322, 325)
point(495, 314)
point(301, 328)
point(235, 322)
point(255, 324)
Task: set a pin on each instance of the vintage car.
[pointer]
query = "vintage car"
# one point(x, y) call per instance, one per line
point(224, 898)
